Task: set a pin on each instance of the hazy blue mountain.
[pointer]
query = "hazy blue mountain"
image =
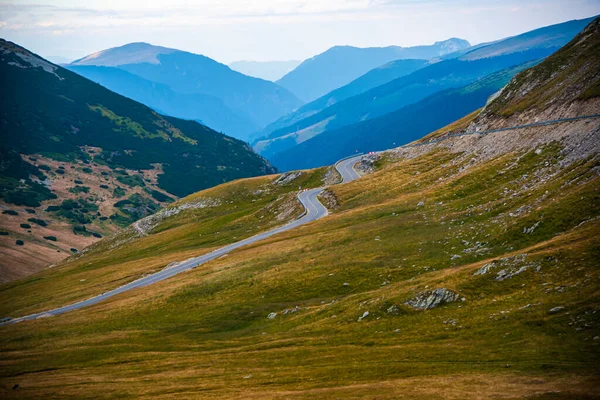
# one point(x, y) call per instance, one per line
point(396, 128)
point(340, 65)
point(551, 37)
point(256, 99)
point(269, 70)
point(391, 96)
point(376, 77)
point(203, 108)
point(454, 72)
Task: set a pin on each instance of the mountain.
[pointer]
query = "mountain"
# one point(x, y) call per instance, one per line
point(78, 160)
point(376, 77)
point(340, 65)
point(209, 110)
point(268, 70)
point(257, 100)
point(435, 77)
point(549, 37)
point(464, 268)
point(396, 128)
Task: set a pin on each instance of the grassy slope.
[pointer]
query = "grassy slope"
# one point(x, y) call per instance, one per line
point(205, 333)
point(244, 208)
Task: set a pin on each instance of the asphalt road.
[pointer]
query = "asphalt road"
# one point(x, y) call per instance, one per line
point(313, 211)
point(346, 168)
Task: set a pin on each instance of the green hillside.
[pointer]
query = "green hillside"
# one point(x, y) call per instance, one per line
point(111, 159)
point(47, 109)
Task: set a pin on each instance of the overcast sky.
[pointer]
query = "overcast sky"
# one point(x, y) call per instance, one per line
point(230, 30)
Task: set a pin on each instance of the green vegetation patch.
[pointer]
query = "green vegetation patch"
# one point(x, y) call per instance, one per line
point(79, 189)
point(131, 180)
point(38, 221)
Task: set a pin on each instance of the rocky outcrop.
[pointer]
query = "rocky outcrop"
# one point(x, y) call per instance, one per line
point(145, 225)
point(432, 298)
point(287, 177)
point(329, 199)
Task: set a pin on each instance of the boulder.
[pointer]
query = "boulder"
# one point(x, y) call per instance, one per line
point(432, 298)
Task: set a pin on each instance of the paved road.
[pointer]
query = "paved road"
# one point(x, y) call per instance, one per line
point(313, 211)
point(346, 168)
point(509, 128)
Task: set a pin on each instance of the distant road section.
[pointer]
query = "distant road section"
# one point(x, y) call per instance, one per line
point(346, 168)
point(313, 211)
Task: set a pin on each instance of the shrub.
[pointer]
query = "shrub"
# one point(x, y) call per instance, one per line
point(10, 212)
point(30, 210)
point(51, 238)
point(3, 233)
point(79, 189)
point(69, 204)
point(19, 242)
point(25, 226)
point(38, 221)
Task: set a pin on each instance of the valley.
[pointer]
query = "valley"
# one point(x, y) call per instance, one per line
point(413, 222)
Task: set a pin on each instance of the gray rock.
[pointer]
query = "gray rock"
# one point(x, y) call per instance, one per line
point(287, 177)
point(555, 310)
point(420, 204)
point(365, 315)
point(432, 298)
point(345, 284)
point(271, 315)
point(393, 310)
point(485, 269)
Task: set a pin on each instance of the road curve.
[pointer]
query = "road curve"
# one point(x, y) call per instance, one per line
point(313, 211)
point(346, 168)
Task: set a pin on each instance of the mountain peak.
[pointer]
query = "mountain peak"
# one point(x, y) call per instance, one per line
point(130, 53)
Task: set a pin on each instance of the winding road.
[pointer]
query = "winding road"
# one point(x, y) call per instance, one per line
point(313, 211)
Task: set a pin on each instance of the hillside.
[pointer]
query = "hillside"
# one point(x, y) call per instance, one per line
point(340, 65)
point(269, 70)
point(191, 74)
point(464, 268)
point(376, 77)
point(208, 110)
point(446, 74)
point(396, 128)
point(79, 160)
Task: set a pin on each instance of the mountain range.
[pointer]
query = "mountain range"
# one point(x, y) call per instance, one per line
point(303, 126)
point(463, 265)
point(234, 103)
point(340, 65)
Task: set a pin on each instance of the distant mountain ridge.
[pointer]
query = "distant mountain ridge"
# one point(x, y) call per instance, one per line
point(340, 65)
point(454, 71)
point(256, 100)
point(268, 70)
point(206, 109)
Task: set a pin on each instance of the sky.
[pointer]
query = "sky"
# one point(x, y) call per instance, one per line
point(264, 30)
